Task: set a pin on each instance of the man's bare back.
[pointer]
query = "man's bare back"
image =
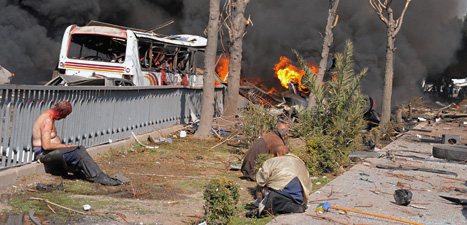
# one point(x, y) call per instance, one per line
point(75, 159)
point(44, 132)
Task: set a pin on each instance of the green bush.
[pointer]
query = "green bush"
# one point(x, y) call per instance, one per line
point(261, 159)
point(257, 121)
point(221, 197)
point(332, 128)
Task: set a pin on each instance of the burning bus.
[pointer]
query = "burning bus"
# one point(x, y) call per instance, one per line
point(106, 54)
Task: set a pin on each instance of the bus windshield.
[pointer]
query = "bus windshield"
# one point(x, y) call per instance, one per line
point(97, 48)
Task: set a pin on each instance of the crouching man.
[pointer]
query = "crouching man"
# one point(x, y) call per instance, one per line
point(62, 158)
point(285, 184)
point(264, 145)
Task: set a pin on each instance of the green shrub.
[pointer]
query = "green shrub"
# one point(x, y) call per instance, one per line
point(257, 121)
point(332, 128)
point(221, 197)
point(260, 160)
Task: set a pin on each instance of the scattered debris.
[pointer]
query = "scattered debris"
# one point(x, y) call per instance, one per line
point(233, 167)
point(146, 146)
point(55, 204)
point(161, 140)
point(366, 154)
point(455, 200)
point(450, 139)
point(5, 199)
point(328, 206)
point(322, 200)
point(403, 196)
point(450, 178)
point(49, 187)
point(86, 207)
point(121, 178)
point(450, 152)
point(33, 219)
point(370, 205)
point(416, 169)
point(326, 218)
point(366, 179)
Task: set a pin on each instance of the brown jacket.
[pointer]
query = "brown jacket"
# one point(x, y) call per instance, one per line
point(264, 145)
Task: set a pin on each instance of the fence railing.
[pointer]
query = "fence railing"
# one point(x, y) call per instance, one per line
point(100, 114)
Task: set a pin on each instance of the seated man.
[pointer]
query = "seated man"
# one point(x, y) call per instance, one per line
point(48, 148)
point(264, 145)
point(285, 184)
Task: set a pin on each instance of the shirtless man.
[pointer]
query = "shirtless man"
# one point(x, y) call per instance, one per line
point(48, 148)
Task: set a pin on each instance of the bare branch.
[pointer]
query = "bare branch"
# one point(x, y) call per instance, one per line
point(401, 18)
point(335, 21)
point(378, 7)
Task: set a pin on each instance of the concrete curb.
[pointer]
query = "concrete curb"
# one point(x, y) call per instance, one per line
point(9, 176)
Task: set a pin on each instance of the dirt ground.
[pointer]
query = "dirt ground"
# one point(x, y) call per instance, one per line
point(166, 186)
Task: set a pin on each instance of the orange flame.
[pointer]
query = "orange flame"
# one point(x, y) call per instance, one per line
point(272, 90)
point(286, 72)
point(222, 68)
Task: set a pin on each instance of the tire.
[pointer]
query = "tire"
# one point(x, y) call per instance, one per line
point(450, 152)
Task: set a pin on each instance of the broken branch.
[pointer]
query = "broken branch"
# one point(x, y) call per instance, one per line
point(55, 204)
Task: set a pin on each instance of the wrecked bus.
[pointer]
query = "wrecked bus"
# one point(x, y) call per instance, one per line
point(120, 56)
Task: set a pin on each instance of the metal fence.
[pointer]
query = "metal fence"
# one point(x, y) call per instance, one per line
point(100, 114)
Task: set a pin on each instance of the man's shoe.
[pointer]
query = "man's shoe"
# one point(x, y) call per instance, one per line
point(252, 214)
point(104, 179)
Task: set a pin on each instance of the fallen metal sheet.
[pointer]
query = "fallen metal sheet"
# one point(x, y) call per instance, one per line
point(416, 169)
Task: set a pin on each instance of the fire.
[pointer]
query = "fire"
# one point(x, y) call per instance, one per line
point(286, 72)
point(222, 68)
point(272, 90)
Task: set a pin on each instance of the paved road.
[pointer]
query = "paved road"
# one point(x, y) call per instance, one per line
point(367, 188)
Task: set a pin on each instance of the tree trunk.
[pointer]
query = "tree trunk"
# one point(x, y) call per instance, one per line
point(388, 78)
point(238, 30)
point(207, 110)
point(327, 42)
point(394, 27)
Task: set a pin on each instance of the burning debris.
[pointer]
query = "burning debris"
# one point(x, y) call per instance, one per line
point(222, 68)
point(291, 77)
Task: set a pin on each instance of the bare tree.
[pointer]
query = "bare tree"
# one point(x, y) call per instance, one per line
point(236, 33)
point(327, 42)
point(386, 14)
point(207, 110)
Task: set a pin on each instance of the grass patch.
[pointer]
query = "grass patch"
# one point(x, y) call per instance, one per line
point(319, 183)
point(192, 186)
point(238, 220)
point(79, 187)
point(141, 211)
point(25, 204)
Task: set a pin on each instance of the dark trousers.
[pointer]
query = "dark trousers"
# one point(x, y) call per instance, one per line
point(276, 203)
point(55, 162)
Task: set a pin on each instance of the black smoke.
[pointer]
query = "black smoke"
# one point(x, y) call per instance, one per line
point(31, 32)
point(426, 44)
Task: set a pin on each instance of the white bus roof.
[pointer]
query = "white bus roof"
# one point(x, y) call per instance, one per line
point(101, 30)
point(182, 39)
point(96, 27)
